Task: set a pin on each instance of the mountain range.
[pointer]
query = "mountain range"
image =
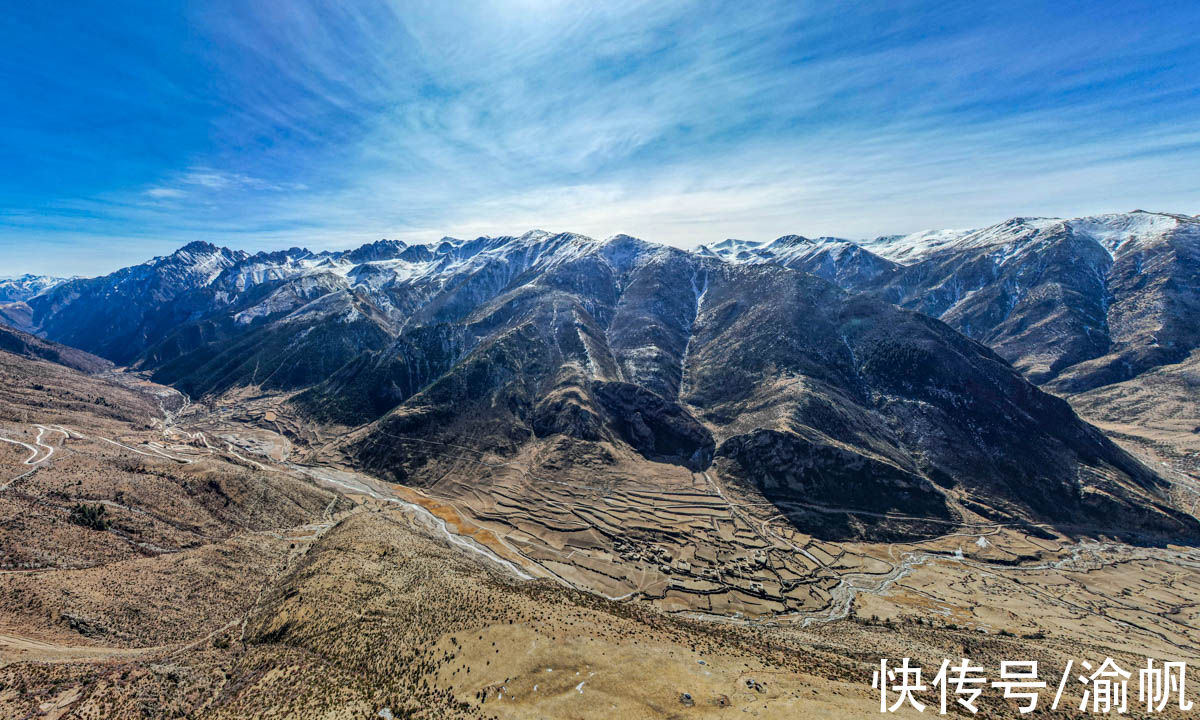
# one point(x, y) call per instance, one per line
point(1074, 304)
point(892, 376)
point(23, 287)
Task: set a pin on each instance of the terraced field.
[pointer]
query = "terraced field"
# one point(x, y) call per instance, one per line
point(504, 587)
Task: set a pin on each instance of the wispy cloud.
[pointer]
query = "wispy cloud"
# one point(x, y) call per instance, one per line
point(284, 123)
point(212, 181)
point(162, 193)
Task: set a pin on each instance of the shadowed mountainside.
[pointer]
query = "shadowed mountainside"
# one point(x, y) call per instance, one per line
point(772, 376)
point(31, 346)
point(1074, 304)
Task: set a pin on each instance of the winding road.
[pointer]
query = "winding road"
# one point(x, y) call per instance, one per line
point(842, 595)
point(351, 482)
point(34, 451)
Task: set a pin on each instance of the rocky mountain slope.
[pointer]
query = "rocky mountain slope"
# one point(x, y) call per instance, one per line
point(214, 585)
point(1074, 304)
point(21, 343)
point(772, 377)
point(717, 358)
point(14, 291)
point(23, 287)
point(785, 382)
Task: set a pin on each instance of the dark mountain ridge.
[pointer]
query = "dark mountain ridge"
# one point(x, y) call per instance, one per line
point(30, 346)
point(772, 377)
point(1074, 304)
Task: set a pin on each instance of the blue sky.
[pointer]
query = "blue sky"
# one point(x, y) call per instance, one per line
point(129, 129)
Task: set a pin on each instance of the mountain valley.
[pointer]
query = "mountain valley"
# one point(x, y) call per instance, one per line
point(468, 479)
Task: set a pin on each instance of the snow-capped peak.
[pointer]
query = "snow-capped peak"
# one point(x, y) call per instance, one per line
point(1116, 232)
point(23, 287)
point(1121, 232)
point(731, 249)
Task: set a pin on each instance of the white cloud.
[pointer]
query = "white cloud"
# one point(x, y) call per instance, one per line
point(335, 124)
point(165, 193)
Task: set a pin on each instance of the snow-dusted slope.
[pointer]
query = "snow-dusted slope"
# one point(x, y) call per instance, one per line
point(23, 287)
point(1075, 302)
point(840, 261)
point(123, 314)
point(1116, 232)
point(906, 249)
point(113, 316)
point(733, 250)
point(1121, 233)
point(1046, 293)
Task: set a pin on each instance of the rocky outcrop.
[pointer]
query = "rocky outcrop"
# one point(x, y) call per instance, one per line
point(661, 430)
point(793, 470)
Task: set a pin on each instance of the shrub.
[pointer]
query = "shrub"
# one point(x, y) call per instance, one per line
point(90, 516)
